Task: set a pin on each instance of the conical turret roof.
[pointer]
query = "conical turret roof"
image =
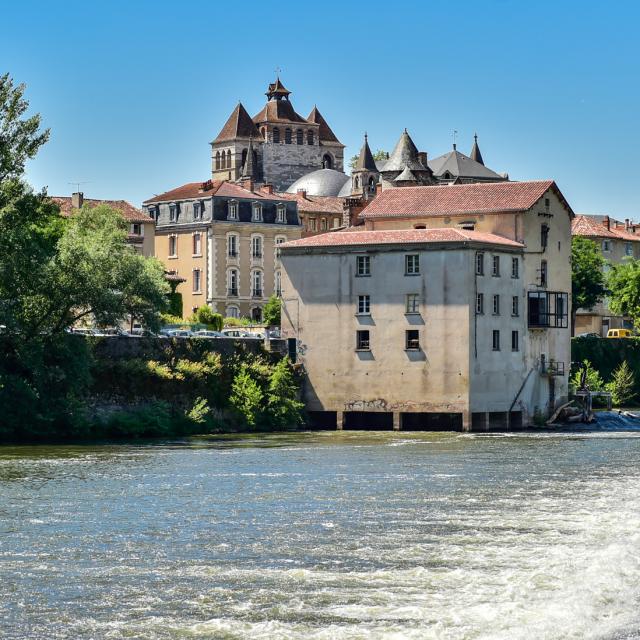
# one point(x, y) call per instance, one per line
point(404, 155)
point(406, 176)
point(475, 151)
point(249, 168)
point(365, 159)
point(239, 125)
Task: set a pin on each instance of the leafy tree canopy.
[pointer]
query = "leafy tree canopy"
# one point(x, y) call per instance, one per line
point(587, 273)
point(271, 311)
point(624, 289)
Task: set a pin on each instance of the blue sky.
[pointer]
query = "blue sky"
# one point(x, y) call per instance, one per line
point(134, 91)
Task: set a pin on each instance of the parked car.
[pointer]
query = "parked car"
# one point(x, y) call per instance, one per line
point(237, 333)
point(619, 333)
point(179, 333)
point(140, 333)
point(84, 332)
point(275, 333)
point(588, 335)
point(108, 333)
point(205, 333)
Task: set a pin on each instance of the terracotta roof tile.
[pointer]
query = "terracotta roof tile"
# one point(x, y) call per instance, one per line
point(591, 227)
point(239, 125)
point(493, 197)
point(315, 204)
point(411, 236)
point(279, 111)
point(324, 132)
point(129, 212)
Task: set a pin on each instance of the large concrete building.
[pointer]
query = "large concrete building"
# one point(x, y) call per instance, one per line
point(616, 240)
point(222, 239)
point(449, 308)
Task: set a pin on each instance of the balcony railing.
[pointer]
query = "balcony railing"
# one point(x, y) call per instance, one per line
point(552, 368)
point(232, 253)
point(257, 254)
point(232, 291)
point(256, 293)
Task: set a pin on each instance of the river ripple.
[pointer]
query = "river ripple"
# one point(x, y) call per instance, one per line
point(325, 535)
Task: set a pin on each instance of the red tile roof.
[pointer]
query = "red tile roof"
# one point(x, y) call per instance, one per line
point(406, 236)
point(315, 204)
point(279, 111)
point(129, 212)
point(324, 132)
point(195, 190)
point(239, 125)
point(591, 227)
point(463, 199)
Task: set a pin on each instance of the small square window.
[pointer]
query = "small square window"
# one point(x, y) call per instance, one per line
point(496, 340)
point(480, 264)
point(628, 249)
point(515, 306)
point(606, 245)
point(412, 340)
point(412, 303)
point(496, 305)
point(412, 264)
point(515, 268)
point(515, 346)
point(362, 340)
point(364, 305)
point(312, 224)
point(363, 265)
point(495, 271)
point(136, 229)
point(480, 303)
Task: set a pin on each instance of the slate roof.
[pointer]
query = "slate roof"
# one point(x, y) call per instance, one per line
point(324, 132)
point(457, 164)
point(195, 190)
point(128, 211)
point(593, 227)
point(479, 197)
point(475, 150)
point(405, 236)
point(404, 154)
point(365, 159)
point(239, 125)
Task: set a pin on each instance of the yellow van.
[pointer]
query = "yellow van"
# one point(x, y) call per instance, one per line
point(619, 333)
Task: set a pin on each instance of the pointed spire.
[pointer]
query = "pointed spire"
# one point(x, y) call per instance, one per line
point(277, 90)
point(249, 168)
point(365, 159)
point(475, 151)
point(404, 154)
point(238, 125)
point(324, 132)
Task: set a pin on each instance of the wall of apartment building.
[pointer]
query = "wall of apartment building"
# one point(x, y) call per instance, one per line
point(148, 238)
point(246, 300)
point(184, 262)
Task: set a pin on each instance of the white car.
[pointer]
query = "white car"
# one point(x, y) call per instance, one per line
point(236, 333)
point(208, 334)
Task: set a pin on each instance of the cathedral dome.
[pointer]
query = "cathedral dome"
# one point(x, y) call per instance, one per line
point(323, 182)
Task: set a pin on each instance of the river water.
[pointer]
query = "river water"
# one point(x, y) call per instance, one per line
point(325, 535)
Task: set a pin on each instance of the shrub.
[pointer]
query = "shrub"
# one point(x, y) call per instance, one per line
point(204, 315)
point(272, 311)
point(622, 385)
point(283, 407)
point(246, 397)
point(594, 380)
point(175, 304)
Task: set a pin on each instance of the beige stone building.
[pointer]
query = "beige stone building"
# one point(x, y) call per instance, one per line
point(617, 241)
point(141, 225)
point(223, 239)
point(449, 310)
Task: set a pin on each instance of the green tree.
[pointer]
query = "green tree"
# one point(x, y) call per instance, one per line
point(624, 289)
point(246, 397)
point(594, 381)
point(204, 315)
point(587, 276)
point(284, 408)
point(380, 154)
point(271, 311)
point(622, 385)
point(20, 138)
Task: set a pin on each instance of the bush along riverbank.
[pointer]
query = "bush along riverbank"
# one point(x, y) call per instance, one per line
point(181, 389)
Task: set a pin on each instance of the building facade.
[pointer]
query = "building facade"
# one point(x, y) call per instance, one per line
point(617, 241)
point(281, 144)
point(450, 308)
point(141, 226)
point(223, 239)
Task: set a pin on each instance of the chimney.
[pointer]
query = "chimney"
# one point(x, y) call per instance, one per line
point(378, 188)
point(607, 223)
point(422, 157)
point(248, 184)
point(303, 193)
point(626, 224)
point(267, 188)
point(77, 199)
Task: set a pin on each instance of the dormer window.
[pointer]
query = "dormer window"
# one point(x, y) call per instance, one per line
point(256, 215)
point(468, 225)
point(232, 210)
point(281, 212)
point(173, 212)
point(196, 211)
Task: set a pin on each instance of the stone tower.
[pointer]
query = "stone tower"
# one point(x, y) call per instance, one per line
point(406, 166)
point(364, 176)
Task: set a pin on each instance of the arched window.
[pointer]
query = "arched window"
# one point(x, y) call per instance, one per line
point(232, 312)
point(309, 137)
point(357, 182)
point(299, 137)
point(256, 314)
point(287, 136)
point(264, 133)
point(233, 242)
point(279, 240)
point(244, 157)
point(372, 185)
point(217, 159)
point(276, 135)
point(256, 246)
point(327, 161)
point(228, 159)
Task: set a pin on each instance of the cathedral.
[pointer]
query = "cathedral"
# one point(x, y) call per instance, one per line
point(277, 146)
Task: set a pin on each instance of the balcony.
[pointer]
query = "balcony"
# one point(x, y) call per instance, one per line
point(232, 292)
point(232, 253)
point(257, 255)
point(548, 310)
point(552, 369)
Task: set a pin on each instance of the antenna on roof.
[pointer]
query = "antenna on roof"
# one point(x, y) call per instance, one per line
point(455, 137)
point(77, 184)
